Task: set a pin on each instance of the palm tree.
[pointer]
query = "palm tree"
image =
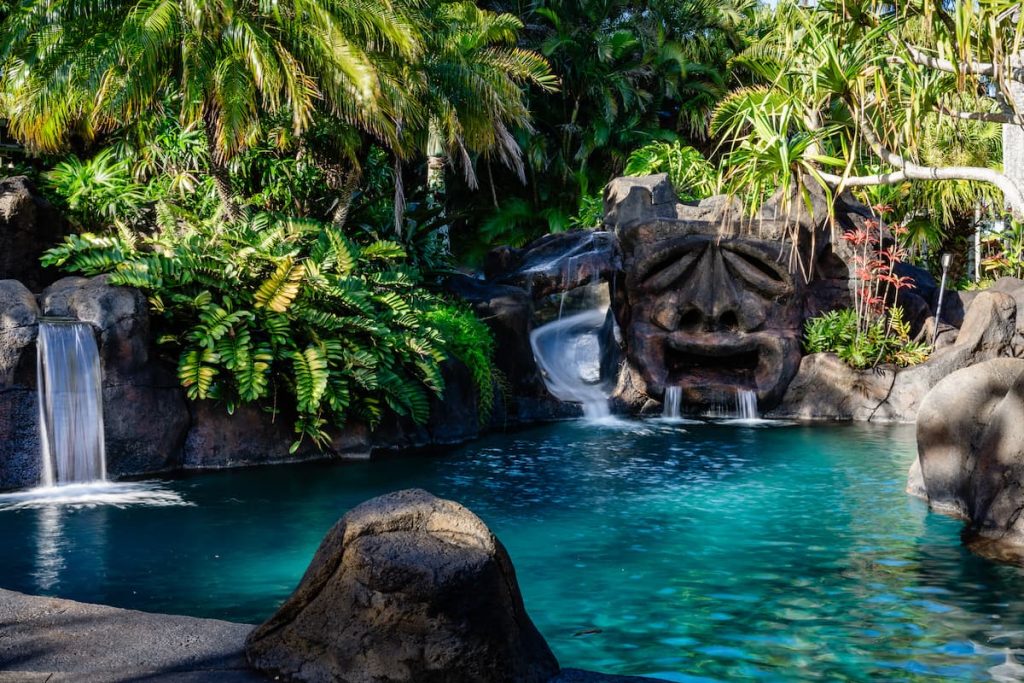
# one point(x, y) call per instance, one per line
point(472, 85)
point(77, 69)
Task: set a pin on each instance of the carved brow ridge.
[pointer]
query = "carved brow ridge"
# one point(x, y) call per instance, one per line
point(673, 258)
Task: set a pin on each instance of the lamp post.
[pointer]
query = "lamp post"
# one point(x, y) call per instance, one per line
point(946, 260)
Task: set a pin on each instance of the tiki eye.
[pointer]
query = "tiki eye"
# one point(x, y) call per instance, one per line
point(671, 272)
point(764, 275)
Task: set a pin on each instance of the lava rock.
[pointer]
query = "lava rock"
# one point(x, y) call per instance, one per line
point(19, 325)
point(826, 388)
point(145, 415)
point(29, 225)
point(251, 436)
point(406, 587)
point(20, 464)
point(119, 314)
point(556, 263)
point(971, 454)
point(454, 416)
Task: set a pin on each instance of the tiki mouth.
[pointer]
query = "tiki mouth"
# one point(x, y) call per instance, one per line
point(716, 362)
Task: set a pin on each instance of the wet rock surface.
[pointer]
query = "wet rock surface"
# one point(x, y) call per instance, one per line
point(406, 587)
point(556, 263)
point(971, 454)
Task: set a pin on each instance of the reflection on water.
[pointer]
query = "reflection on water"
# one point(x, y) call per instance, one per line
point(698, 552)
point(49, 561)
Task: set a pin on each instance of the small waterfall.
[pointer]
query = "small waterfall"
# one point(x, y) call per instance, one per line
point(70, 403)
point(746, 404)
point(670, 409)
point(568, 352)
point(743, 408)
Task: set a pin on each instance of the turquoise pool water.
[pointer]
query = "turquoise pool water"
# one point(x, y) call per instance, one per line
point(697, 552)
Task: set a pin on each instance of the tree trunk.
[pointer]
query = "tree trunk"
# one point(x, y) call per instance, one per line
point(436, 187)
point(219, 171)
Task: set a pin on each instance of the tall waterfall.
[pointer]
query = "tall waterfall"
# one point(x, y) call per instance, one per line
point(568, 352)
point(70, 403)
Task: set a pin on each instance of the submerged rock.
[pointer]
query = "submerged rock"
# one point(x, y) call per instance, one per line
point(971, 454)
point(406, 587)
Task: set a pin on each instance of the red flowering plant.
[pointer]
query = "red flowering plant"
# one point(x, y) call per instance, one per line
point(874, 331)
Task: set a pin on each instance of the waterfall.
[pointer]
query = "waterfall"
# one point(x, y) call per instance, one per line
point(568, 353)
point(670, 409)
point(746, 404)
point(70, 403)
point(743, 408)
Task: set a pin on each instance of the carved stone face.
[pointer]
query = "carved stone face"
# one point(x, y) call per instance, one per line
point(711, 314)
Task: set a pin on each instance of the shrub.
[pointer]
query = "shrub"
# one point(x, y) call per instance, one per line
point(469, 339)
point(275, 307)
point(692, 176)
point(883, 340)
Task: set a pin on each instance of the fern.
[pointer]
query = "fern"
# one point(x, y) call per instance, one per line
point(340, 328)
point(279, 290)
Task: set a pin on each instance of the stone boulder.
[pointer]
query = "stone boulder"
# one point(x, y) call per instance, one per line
point(20, 465)
point(29, 225)
point(119, 314)
point(971, 454)
point(406, 587)
point(19, 325)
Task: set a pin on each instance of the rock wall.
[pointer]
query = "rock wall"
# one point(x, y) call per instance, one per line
point(151, 427)
point(825, 388)
point(29, 225)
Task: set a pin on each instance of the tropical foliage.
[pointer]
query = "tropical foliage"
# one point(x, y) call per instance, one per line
point(867, 94)
point(275, 308)
point(882, 341)
point(874, 330)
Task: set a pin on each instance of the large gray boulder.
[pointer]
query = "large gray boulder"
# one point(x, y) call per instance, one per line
point(971, 454)
point(29, 225)
point(406, 587)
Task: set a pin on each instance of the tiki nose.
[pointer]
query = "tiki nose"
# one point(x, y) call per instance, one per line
point(714, 303)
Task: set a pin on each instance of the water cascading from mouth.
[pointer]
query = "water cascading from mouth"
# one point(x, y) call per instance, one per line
point(568, 353)
point(746, 405)
point(743, 408)
point(70, 403)
point(673, 398)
